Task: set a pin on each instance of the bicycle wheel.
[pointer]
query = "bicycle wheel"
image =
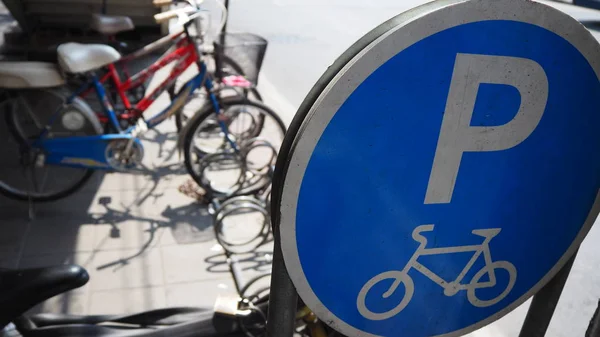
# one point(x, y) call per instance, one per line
point(473, 286)
point(23, 175)
point(230, 173)
point(259, 157)
point(241, 119)
point(245, 119)
point(230, 67)
point(403, 278)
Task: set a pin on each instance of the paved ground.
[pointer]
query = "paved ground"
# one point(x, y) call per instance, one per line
point(147, 246)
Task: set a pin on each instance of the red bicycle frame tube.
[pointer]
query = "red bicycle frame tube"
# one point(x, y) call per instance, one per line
point(185, 54)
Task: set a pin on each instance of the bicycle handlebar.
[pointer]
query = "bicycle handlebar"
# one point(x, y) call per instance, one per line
point(184, 13)
point(160, 3)
point(174, 13)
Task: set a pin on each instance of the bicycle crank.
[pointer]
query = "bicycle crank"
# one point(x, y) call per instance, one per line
point(123, 154)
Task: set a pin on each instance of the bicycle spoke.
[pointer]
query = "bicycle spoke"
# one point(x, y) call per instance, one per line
point(44, 178)
point(30, 209)
point(34, 180)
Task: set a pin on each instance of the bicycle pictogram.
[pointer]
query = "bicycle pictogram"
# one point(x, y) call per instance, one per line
point(450, 288)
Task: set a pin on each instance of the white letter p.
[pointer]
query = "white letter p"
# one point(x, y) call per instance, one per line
point(458, 136)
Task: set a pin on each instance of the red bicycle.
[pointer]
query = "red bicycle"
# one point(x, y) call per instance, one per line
point(57, 133)
point(130, 89)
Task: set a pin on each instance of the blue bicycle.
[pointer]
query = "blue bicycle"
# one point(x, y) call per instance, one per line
point(61, 141)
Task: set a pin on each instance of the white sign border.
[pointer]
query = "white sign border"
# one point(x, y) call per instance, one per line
point(418, 23)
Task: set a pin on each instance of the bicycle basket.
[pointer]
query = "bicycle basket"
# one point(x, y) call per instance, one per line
point(245, 51)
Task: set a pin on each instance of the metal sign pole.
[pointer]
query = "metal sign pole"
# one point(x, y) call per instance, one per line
point(593, 329)
point(283, 299)
point(544, 303)
point(224, 28)
point(226, 4)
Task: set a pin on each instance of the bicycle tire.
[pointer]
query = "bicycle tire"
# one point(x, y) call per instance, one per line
point(188, 133)
point(13, 130)
point(409, 288)
point(180, 117)
point(512, 276)
point(256, 129)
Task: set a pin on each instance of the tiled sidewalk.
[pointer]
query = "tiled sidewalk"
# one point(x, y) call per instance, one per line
point(144, 243)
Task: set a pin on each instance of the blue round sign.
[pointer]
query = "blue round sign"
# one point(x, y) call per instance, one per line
point(447, 172)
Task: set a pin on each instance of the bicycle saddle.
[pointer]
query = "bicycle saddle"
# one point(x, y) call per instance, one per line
point(169, 322)
point(166, 316)
point(22, 289)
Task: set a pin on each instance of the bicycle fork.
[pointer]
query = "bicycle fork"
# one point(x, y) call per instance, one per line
point(220, 115)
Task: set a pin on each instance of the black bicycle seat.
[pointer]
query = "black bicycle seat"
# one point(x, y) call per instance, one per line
point(166, 316)
point(22, 289)
point(169, 322)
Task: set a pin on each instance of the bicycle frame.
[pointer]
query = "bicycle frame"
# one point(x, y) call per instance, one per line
point(91, 151)
point(177, 102)
point(185, 54)
point(450, 288)
point(476, 249)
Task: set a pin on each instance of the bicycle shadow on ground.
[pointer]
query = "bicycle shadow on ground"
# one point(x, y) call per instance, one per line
point(165, 140)
point(155, 175)
point(191, 223)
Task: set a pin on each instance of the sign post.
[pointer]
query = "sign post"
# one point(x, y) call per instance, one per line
point(544, 303)
point(441, 172)
point(282, 300)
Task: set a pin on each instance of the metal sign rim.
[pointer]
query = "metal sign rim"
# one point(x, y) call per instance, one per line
point(287, 185)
